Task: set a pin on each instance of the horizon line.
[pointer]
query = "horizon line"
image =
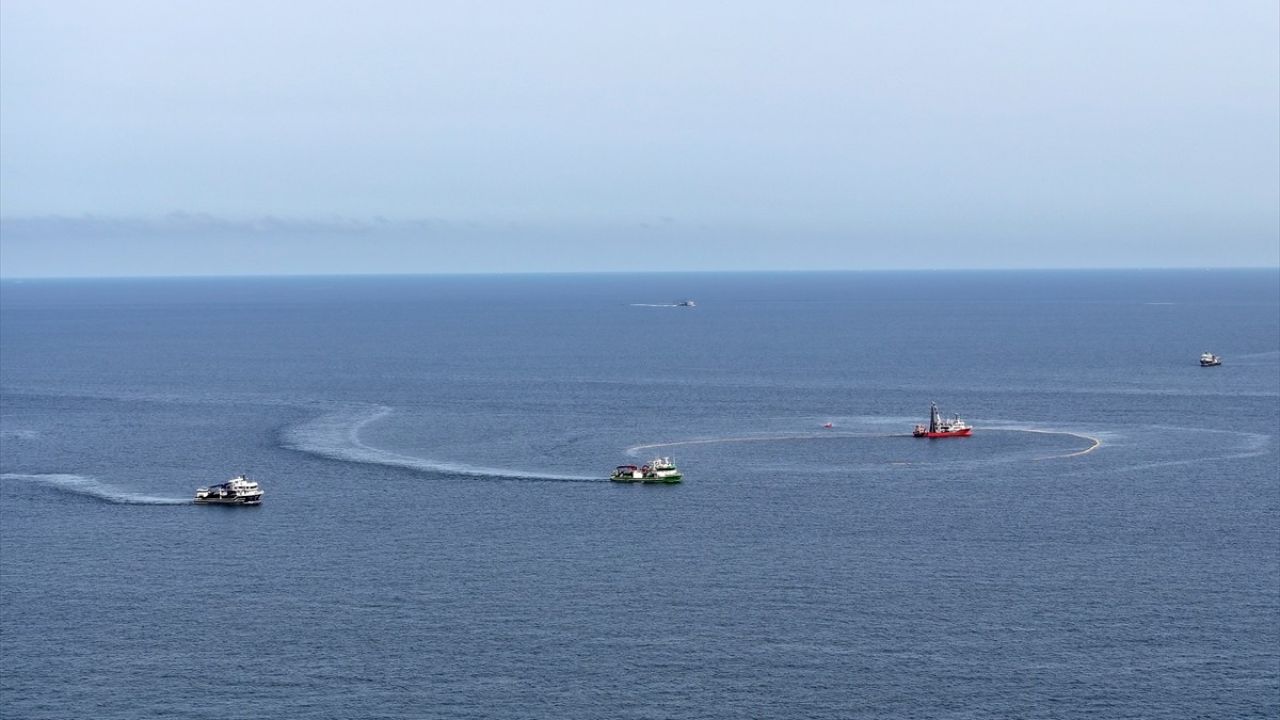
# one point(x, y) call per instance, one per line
point(532, 273)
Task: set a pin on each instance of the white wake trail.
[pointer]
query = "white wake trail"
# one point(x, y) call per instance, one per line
point(337, 436)
point(92, 487)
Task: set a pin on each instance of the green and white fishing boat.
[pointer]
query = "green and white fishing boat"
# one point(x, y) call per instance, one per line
point(658, 470)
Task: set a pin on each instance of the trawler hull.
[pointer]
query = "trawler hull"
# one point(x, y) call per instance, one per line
point(940, 428)
point(946, 434)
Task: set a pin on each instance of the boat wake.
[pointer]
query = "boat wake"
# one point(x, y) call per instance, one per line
point(1253, 358)
point(654, 305)
point(19, 434)
point(93, 488)
point(336, 436)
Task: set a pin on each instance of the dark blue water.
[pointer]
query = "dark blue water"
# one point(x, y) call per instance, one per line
point(437, 539)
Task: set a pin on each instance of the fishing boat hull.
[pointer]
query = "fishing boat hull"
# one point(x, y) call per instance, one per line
point(940, 428)
point(945, 434)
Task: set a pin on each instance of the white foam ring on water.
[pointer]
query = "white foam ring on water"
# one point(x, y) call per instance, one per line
point(336, 436)
point(1249, 444)
point(1094, 441)
point(634, 450)
point(1252, 445)
point(92, 487)
point(1094, 438)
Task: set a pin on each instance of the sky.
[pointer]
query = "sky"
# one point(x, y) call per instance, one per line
point(175, 137)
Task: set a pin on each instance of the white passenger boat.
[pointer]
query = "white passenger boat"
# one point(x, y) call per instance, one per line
point(239, 490)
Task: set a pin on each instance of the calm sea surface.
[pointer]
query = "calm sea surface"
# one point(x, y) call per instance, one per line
point(438, 539)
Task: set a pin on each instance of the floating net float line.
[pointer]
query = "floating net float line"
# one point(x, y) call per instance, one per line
point(635, 449)
point(1253, 445)
point(1095, 443)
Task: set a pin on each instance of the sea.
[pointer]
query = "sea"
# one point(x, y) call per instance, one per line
point(439, 537)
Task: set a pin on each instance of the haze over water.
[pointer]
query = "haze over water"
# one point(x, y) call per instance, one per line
point(154, 138)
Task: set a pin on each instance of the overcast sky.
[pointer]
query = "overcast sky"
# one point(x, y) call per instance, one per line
point(166, 137)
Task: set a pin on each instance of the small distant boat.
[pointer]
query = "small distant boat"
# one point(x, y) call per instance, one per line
point(828, 425)
point(940, 427)
point(686, 303)
point(658, 470)
point(239, 490)
point(1209, 360)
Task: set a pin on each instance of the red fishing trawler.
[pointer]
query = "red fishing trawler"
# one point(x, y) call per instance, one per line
point(941, 428)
